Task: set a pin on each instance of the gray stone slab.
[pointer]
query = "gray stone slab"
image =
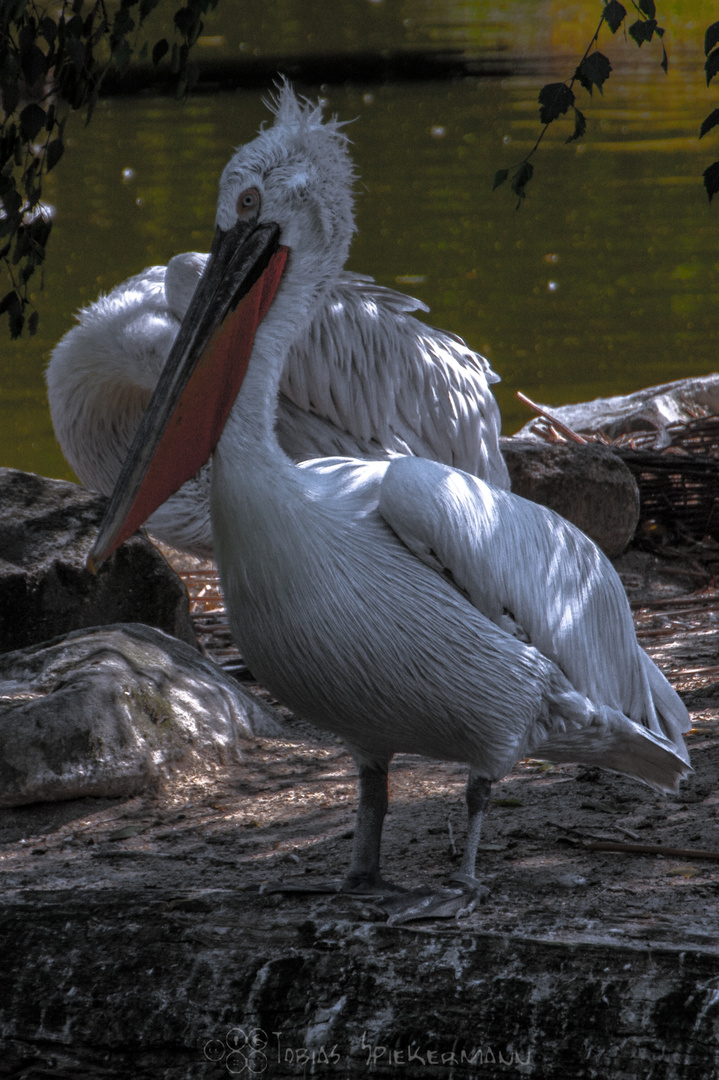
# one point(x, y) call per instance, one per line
point(112, 710)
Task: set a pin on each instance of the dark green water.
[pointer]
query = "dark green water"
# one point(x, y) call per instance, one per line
point(606, 280)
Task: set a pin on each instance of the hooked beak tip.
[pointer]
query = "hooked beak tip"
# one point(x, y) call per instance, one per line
point(91, 565)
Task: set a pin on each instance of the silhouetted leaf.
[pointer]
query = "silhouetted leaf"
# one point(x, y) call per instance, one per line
point(520, 180)
point(711, 38)
point(27, 35)
point(99, 33)
point(593, 71)
point(10, 97)
point(648, 7)
point(709, 122)
point(614, 15)
point(665, 59)
point(40, 228)
point(27, 270)
point(55, 151)
point(499, 177)
point(122, 24)
point(580, 125)
point(32, 121)
point(642, 30)
point(121, 55)
point(159, 49)
point(74, 28)
point(32, 323)
point(146, 6)
point(48, 29)
point(711, 180)
point(12, 304)
point(712, 65)
point(22, 246)
point(554, 99)
point(33, 64)
point(185, 20)
point(75, 52)
point(11, 201)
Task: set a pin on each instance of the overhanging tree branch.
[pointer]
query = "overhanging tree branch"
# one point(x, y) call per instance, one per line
point(52, 62)
point(555, 99)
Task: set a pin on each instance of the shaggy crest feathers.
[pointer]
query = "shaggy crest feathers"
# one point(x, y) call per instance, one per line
point(301, 159)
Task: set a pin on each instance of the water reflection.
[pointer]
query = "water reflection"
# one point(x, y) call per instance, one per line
point(605, 281)
point(520, 31)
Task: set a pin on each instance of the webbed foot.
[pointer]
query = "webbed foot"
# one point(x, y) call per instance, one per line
point(424, 903)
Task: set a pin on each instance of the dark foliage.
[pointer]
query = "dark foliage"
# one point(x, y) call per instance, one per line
point(593, 70)
point(52, 62)
point(711, 40)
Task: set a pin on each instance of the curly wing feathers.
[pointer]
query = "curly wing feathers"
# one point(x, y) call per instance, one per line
point(384, 377)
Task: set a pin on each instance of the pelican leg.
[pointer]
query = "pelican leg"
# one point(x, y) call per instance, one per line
point(423, 902)
point(364, 875)
point(477, 796)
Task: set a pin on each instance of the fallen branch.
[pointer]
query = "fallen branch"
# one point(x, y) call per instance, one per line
point(651, 849)
point(562, 428)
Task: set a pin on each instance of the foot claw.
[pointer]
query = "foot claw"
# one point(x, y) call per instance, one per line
point(471, 884)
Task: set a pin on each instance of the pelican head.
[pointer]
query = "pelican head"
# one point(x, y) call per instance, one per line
point(286, 195)
point(300, 173)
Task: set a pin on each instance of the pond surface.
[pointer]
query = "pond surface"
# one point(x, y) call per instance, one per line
point(606, 280)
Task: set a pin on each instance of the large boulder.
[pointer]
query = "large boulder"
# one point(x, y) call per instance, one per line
point(46, 531)
point(111, 710)
point(589, 485)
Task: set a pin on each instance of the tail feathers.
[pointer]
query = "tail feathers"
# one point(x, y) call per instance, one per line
point(672, 715)
point(613, 741)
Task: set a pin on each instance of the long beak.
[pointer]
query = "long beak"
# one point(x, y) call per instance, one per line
point(200, 380)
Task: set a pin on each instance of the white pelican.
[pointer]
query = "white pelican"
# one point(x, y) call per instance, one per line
point(365, 379)
point(405, 605)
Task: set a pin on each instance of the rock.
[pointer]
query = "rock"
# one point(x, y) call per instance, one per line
point(588, 485)
point(109, 711)
point(651, 409)
point(46, 530)
point(128, 981)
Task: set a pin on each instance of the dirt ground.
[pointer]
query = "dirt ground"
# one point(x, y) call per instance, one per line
point(286, 813)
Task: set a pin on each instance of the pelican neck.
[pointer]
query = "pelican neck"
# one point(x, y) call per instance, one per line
point(250, 427)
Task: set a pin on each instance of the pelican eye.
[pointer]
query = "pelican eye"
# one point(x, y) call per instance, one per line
point(248, 202)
